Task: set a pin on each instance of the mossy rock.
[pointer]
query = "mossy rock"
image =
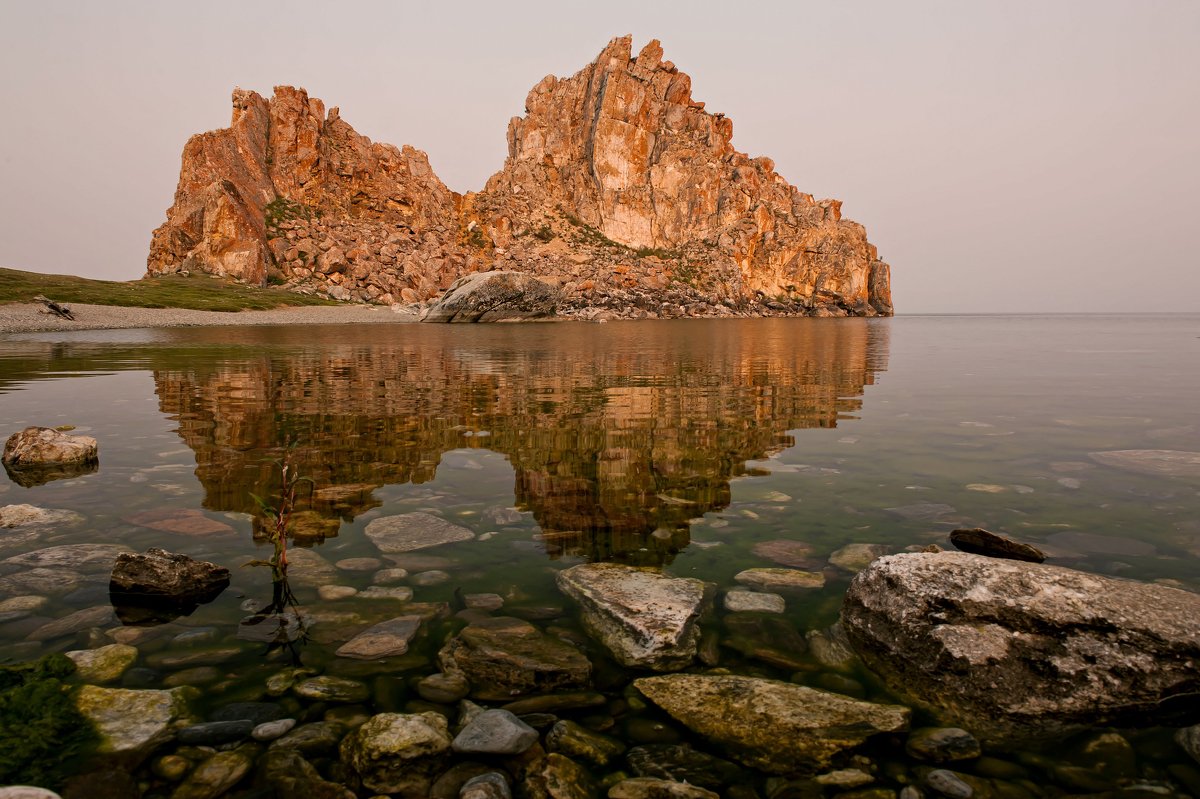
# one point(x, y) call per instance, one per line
point(45, 736)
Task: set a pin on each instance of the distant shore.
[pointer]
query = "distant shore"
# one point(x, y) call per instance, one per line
point(32, 317)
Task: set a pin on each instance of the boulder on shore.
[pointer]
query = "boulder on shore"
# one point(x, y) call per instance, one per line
point(774, 726)
point(645, 618)
point(1014, 651)
point(495, 297)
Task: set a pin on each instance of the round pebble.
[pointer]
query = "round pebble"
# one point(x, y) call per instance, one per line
point(270, 730)
point(359, 564)
point(330, 593)
point(431, 577)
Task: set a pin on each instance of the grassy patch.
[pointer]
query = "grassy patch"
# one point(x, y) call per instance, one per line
point(44, 735)
point(281, 210)
point(199, 292)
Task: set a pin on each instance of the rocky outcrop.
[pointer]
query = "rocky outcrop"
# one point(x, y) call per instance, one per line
point(618, 186)
point(1012, 650)
point(495, 297)
point(645, 618)
point(769, 725)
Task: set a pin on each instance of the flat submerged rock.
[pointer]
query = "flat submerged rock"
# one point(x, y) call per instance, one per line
point(774, 726)
point(645, 618)
point(1154, 462)
point(406, 532)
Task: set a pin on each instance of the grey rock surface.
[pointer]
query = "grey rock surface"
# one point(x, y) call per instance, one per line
point(1011, 650)
point(495, 297)
point(385, 639)
point(407, 532)
point(645, 618)
point(495, 732)
point(159, 574)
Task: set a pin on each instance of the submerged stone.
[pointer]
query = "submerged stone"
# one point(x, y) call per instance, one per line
point(645, 618)
point(1154, 462)
point(771, 580)
point(105, 664)
point(407, 532)
point(385, 639)
point(504, 658)
point(769, 725)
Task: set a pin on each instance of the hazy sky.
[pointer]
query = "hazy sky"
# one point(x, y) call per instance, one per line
point(1004, 156)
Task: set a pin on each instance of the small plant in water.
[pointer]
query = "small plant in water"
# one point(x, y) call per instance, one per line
point(284, 624)
point(279, 517)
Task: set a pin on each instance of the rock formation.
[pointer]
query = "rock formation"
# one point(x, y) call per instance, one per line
point(618, 187)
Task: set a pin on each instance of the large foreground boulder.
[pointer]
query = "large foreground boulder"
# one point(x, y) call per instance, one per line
point(645, 618)
point(1015, 651)
point(770, 725)
point(495, 297)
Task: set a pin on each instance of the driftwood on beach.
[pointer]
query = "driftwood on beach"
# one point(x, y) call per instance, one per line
point(55, 308)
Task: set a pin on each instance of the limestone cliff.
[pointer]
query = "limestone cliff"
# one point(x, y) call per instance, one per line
point(618, 186)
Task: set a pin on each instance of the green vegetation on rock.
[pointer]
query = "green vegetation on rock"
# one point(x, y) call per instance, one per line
point(198, 292)
point(44, 734)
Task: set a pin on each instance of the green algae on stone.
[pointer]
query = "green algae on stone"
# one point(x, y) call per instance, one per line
point(44, 734)
point(769, 725)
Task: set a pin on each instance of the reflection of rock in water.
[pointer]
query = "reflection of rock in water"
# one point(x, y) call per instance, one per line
point(615, 445)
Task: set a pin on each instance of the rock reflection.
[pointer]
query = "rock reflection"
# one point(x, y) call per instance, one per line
point(615, 442)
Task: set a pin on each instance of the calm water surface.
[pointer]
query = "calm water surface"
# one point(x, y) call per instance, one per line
point(679, 443)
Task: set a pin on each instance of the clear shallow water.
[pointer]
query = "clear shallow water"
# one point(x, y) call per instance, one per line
point(683, 444)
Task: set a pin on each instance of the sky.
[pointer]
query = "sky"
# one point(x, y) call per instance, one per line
point(1016, 156)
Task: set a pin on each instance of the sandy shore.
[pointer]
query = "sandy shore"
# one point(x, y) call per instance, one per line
point(30, 317)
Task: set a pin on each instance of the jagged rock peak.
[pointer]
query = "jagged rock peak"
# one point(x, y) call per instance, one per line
point(279, 160)
point(618, 187)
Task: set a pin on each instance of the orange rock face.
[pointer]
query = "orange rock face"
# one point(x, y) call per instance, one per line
point(618, 186)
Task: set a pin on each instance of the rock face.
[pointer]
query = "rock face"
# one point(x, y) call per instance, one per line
point(495, 297)
point(645, 618)
point(618, 186)
point(1013, 650)
point(774, 726)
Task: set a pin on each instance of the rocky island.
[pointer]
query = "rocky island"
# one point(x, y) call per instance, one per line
point(620, 192)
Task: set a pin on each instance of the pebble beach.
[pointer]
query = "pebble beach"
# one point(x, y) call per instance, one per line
point(32, 317)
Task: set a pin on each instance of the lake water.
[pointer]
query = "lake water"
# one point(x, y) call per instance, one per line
point(690, 445)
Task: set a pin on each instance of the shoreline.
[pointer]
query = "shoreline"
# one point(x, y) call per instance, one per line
point(32, 318)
